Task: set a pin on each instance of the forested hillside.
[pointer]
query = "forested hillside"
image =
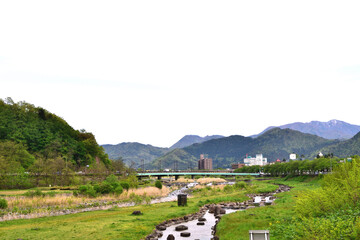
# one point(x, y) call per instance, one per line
point(35, 141)
point(132, 154)
point(346, 148)
point(274, 144)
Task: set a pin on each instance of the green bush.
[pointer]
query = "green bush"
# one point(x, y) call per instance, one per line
point(105, 188)
point(125, 185)
point(118, 190)
point(3, 203)
point(34, 193)
point(240, 185)
point(158, 184)
point(87, 190)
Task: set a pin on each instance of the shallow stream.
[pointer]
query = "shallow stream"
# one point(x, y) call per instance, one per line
point(201, 232)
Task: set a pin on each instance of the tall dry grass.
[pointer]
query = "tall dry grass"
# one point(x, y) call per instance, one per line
point(210, 180)
point(68, 200)
point(185, 180)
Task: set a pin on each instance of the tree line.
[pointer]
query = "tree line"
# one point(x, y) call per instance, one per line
point(297, 167)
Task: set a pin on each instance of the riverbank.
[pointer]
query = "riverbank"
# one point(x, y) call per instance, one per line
point(119, 223)
point(237, 225)
point(210, 215)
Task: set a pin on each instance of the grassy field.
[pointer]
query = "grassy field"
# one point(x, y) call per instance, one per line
point(118, 223)
point(236, 226)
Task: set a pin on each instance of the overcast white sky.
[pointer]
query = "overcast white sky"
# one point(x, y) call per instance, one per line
point(154, 71)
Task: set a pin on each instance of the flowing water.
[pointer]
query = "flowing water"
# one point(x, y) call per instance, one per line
point(201, 232)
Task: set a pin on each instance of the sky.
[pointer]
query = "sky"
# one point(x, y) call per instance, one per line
point(154, 71)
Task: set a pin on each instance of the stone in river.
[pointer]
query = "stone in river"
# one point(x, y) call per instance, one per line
point(170, 237)
point(185, 234)
point(181, 228)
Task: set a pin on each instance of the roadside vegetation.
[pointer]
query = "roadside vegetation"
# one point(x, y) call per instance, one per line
point(322, 207)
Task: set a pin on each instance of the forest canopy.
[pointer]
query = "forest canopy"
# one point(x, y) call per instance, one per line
point(28, 133)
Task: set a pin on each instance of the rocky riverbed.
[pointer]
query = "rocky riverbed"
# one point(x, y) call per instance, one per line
point(202, 225)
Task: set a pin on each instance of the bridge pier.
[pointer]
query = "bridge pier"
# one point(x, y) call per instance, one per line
point(159, 177)
point(192, 176)
point(176, 177)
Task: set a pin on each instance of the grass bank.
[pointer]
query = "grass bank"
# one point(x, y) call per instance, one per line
point(236, 226)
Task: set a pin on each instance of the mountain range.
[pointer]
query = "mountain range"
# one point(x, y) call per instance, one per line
point(337, 137)
point(274, 144)
point(333, 129)
point(133, 153)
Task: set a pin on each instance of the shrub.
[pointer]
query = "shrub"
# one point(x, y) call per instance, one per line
point(240, 185)
point(125, 185)
point(34, 193)
point(87, 190)
point(118, 190)
point(158, 184)
point(228, 189)
point(3, 203)
point(111, 179)
point(105, 188)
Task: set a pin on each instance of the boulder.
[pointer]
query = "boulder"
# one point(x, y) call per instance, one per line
point(181, 228)
point(217, 210)
point(161, 227)
point(200, 223)
point(170, 237)
point(185, 234)
point(137, 213)
point(202, 219)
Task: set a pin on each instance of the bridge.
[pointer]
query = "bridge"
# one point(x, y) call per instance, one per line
point(192, 174)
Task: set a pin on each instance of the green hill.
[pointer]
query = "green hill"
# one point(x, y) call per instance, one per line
point(176, 159)
point(344, 149)
point(134, 153)
point(37, 133)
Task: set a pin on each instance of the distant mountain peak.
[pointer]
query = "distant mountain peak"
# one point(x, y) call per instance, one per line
point(333, 129)
point(188, 140)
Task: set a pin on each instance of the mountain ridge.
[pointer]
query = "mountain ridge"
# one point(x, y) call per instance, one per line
point(333, 129)
point(275, 143)
point(188, 140)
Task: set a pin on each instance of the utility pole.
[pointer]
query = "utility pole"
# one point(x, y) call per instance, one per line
point(143, 164)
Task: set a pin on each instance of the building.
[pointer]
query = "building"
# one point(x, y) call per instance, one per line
point(237, 165)
point(258, 160)
point(204, 163)
point(292, 156)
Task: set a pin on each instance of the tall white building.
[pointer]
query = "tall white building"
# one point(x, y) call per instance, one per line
point(258, 160)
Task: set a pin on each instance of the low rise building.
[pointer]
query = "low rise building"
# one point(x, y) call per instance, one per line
point(292, 156)
point(237, 165)
point(258, 160)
